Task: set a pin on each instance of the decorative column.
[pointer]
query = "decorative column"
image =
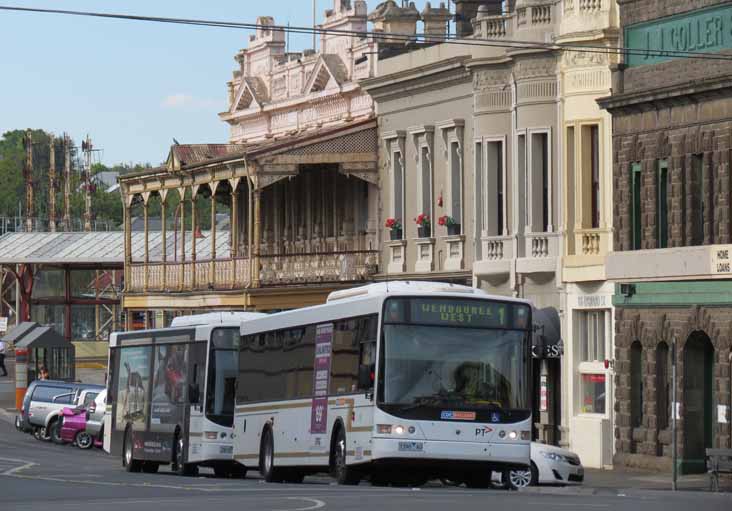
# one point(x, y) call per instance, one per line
point(194, 216)
point(127, 205)
point(52, 184)
point(145, 210)
point(212, 279)
point(257, 236)
point(234, 222)
point(182, 206)
point(163, 222)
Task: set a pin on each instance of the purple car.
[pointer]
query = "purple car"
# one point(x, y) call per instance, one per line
point(73, 428)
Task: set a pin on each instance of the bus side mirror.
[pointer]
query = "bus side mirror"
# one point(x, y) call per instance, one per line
point(193, 394)
point(365, 377)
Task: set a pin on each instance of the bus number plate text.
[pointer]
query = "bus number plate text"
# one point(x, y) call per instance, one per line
point(411, 446)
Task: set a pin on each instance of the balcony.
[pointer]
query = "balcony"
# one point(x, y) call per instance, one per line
point(585, 261)
point(275, 270)
point(678, 263)
point(531, 22)
point(498, 253)
point(541, 251)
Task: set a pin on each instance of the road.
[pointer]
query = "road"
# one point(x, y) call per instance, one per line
point(42, 476)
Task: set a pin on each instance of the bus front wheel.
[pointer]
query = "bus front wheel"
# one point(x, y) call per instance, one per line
point(341, 471)
point(266, 459)
point(179, 466)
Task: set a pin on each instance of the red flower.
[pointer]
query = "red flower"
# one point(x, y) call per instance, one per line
point(392, 223)
point(422, 220)
point(446, 220)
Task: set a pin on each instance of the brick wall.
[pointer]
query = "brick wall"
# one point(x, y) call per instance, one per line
point(640, 446)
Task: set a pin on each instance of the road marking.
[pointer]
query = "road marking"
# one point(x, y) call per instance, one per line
point(24, 464)
point(316, 504)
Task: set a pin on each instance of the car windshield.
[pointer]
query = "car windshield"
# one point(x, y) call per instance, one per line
point(454, 367)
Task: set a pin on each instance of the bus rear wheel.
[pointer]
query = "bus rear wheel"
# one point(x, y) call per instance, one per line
point(341, 471)
point(266, 459)
point(180, 467)
point(128, 460)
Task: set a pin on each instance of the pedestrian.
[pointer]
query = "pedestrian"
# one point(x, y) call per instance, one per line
point(43, 372)
point(2, 358)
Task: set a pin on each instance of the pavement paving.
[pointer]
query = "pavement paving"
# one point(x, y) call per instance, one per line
point(40, 476)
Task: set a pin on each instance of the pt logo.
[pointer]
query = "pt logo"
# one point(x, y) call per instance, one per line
point(482, 431)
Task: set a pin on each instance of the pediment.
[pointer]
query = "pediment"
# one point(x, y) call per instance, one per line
point(326, 75)
point(246, 97)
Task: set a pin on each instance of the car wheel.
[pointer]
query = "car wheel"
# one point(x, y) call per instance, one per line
point(343, 474)
point(84, 440)
point(517, 479)
point(54, 431)
point(17, 422)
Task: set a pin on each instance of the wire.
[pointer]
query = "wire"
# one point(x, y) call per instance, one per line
point(448, 39)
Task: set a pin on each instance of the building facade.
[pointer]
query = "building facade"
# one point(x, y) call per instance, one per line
point(298, 178)
point(671, 188)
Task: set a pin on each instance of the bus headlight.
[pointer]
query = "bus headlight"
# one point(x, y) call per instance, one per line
point(383, 429)
point(513, 435)
point(526, 435)
point(211, 435)
point(399, 430)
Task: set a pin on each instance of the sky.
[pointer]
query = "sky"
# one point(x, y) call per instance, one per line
point(132, 86)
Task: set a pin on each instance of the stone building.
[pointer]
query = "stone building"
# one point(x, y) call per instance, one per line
point(672, 128)
point(298, 178)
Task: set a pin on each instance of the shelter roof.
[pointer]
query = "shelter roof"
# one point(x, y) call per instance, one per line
point(20, 331)
point(43, 337)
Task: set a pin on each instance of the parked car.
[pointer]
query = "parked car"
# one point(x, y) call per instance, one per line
point(95, 415)
point(549, 465)
point(44, 401)
point(73, 427)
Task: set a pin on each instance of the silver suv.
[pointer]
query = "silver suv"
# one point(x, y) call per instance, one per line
point(95, 414)
point(44, 401)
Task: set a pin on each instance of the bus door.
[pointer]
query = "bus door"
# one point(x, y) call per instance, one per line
point(196, 377)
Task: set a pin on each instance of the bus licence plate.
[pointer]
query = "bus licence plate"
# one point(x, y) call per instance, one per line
point(226, 449)
point(411, 446)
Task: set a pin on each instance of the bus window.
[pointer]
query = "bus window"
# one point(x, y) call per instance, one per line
point(222, 371)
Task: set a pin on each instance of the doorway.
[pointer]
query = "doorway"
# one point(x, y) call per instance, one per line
point(698, 398)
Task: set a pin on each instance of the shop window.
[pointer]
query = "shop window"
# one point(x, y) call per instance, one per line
point(49, 283)
point(593, 393)
point(539, 180)
point(662, 209)
point(636, 384)
point(591, 175)
point(83, 323)
point(495, 224)
point(592, 335)
point(662, 386)
point(635, 185)
point(398, 187)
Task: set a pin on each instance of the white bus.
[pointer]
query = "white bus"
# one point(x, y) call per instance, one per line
point(170, 395)
point(398, 382)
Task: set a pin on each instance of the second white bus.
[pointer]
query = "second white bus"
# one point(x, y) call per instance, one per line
point(397, 382)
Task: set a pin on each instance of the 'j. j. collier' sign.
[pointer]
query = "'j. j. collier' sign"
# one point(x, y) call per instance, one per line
point(707, 30)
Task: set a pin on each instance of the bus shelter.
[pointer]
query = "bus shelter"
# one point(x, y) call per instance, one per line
point(37, 346)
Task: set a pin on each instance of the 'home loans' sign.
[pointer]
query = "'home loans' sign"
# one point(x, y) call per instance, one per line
point(707, 30)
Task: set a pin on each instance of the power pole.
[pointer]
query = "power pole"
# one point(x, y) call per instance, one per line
point(86, 146)
point(67, 183)
point(28, 177)
point(52, 185)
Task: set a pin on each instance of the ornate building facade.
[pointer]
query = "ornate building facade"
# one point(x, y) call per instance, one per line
point(671, 155)
point(298, 181)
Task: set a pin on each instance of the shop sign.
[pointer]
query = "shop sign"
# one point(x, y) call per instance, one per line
point(3, 324)
point(702, 30)
point(721, 259)
point(587, 301)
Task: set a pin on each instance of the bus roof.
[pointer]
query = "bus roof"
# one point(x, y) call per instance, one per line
point(215, 318)
point(362, 301)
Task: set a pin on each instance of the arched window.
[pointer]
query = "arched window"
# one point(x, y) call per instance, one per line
point(662, 385)
point(636, 385)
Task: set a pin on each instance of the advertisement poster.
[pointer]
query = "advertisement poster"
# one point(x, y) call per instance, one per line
point(321, 377)
point(133, 385)
point(169, 386)
point(542, 393)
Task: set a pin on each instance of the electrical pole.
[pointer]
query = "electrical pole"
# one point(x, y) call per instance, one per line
point(28, 177)
point(86, 146)
point(67, 183)
point(315, 14)
point(674, 410)
point(52, 185)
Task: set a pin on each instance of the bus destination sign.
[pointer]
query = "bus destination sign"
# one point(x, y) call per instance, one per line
point(457, 312)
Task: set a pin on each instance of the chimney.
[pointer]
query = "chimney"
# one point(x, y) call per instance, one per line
point(388, 17)
point(435, 20)
point(467, 10)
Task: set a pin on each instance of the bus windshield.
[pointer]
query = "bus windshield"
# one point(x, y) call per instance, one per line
point(464, 354)
point(223, 367)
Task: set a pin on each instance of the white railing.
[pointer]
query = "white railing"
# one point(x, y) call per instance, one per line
point(498, 248)
point(542, 245)
point(590, 5)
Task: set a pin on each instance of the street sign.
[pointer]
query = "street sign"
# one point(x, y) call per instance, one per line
point(3, 324)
